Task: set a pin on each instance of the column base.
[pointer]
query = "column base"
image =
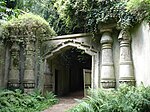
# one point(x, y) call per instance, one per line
point(108, 84)
point(128, 82)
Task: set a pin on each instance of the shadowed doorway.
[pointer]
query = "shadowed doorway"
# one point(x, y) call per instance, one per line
point(67, 67)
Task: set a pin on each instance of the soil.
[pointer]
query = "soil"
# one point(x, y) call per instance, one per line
point(65, 103)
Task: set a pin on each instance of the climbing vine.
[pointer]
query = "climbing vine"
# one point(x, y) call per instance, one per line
point(76, 16)
point(88, 15)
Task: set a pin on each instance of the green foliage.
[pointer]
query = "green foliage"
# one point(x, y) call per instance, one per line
point(3, 9)
point(29, 25)
point(45, 9)
point(87, 15)
point(6, 11)
point(125, 99)
point(75, 16)
point(140, 7)
point(15, 101)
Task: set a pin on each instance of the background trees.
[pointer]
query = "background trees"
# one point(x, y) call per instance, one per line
point(75, 16)
point(140, 7)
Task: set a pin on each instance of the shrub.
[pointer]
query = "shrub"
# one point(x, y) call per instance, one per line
point(124, 99)
point(15, 101)
point(29, 26)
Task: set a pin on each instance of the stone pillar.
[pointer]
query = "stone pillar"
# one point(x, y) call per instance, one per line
point(107, 66)
point(29, 78)
point(13, 78)
point(126, 73)
point(48, 82)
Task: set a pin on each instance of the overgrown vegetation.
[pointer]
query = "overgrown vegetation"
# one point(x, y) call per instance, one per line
point(88, 15)
point(46, 9)
point(140, 7)
point(75, 16)
point(15, 101)
point(27, 25)
point(124, 99)
point(2, 10)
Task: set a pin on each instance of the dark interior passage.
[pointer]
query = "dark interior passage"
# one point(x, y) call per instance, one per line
point(69, 71)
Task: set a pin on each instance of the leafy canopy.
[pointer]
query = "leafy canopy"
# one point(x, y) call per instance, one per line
point(45, 9)
point(140, 7)
point(87, 15)
point(75, 16)
point(29, 25)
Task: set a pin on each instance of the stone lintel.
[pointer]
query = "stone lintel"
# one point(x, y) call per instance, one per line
point(105, 27)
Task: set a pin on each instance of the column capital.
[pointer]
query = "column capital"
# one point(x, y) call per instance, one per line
point(124, 35)
point(106, 37)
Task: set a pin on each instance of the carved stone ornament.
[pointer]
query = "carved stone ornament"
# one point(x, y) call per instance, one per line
point(124, 35)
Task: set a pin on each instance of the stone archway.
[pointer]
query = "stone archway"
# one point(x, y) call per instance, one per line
point(64, 44)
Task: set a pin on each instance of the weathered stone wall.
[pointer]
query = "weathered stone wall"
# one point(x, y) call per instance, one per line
point(116, 57)
point(141, 53)
point(116, 51)
point(2, 60)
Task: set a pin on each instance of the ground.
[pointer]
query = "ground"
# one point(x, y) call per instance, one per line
point(65, 103)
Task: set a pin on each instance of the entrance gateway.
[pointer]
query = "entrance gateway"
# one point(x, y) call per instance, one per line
point(62, 79)
point(113, 53)
point(110, 54)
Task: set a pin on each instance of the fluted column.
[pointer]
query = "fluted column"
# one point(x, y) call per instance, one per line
point(29, 78)
point(126, 72)
point(107, 65)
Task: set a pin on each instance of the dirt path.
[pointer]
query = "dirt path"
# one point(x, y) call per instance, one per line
point(64, 104)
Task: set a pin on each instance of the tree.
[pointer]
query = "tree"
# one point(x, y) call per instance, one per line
point(3, 10)
point(44, 8)
point(140, 7)
point(87, 15)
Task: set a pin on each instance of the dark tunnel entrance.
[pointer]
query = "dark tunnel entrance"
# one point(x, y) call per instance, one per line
point(67, 67)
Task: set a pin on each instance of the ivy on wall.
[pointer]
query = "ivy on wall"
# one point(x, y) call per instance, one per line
point(87, 15)
point(76, 16)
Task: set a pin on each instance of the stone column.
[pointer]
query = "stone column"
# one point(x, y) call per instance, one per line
point(126, 73)
point(13, 78)
point(48, 83)
point(29, 78)
point(107, 67)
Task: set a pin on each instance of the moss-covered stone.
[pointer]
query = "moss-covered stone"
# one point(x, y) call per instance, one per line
point(28, 25)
